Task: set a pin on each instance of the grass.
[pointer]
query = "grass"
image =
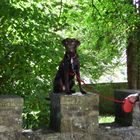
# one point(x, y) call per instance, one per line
point(106, 119)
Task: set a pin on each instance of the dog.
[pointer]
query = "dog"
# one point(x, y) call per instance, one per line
point(69, 68)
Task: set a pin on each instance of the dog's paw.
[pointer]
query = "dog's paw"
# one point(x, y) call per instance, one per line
point(83, 92)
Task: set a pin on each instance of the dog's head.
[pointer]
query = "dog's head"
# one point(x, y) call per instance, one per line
point(70, 44)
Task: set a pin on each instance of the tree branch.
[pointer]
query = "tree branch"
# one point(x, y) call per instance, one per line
point(96, 8)
point(61, 2)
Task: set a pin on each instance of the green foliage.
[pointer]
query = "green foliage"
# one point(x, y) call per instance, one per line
point(30, 45)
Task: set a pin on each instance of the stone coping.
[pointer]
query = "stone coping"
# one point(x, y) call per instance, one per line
point(5, 96)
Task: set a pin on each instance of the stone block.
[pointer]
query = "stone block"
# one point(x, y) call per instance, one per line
point(73, 113)
point(136, 115)
point(10, 113)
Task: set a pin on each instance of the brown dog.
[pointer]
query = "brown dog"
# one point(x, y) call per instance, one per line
point(68, 69)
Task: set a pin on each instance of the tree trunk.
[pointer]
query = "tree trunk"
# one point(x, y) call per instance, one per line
point(133, 60)
point(138, 60)
point(133, 55)
point(132, 70)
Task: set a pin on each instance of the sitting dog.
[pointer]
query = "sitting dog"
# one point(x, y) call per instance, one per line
point(68, 69)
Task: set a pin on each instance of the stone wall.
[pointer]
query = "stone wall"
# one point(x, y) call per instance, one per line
point(136, 115)
point(10, 113)
point(72, 113)
point(79, 109)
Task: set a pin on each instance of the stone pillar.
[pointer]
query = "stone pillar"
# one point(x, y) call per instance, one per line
point(122, 118)
point(73, 113)
point(136, 115)
point(10, 113)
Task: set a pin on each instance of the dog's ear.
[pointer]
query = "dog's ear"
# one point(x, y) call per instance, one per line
point(65, 42)
point(77, 43)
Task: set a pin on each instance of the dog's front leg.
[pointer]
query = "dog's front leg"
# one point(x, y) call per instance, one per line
point(66, 82)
